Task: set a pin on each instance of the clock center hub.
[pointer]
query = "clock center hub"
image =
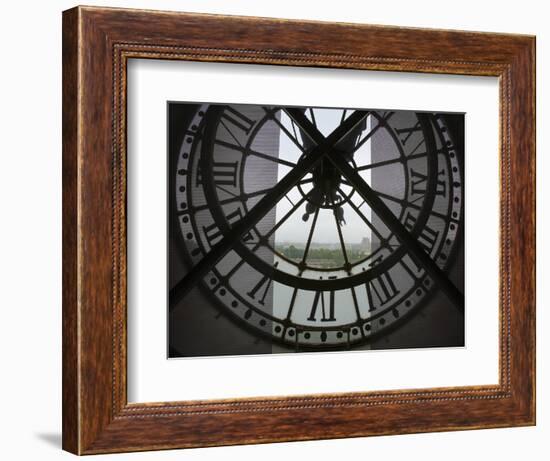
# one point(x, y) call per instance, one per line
point(328, 191)
point(327, 179)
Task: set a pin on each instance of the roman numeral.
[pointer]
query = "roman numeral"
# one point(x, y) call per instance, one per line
point(380, 290)
point(419, 183)
point(224, 173)
point(376, 261)
point(213, 232)
point(410, 265)
point(237, 120)
point(264, 281)
point(428, 236)
point(320, 296)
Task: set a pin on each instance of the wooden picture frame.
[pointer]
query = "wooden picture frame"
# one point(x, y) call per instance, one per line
point(97, 43)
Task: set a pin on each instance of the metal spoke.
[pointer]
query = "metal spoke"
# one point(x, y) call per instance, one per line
point(343, 115)
point(255, 153)
point(312, 115)
point(391, 161)
point(271, 113)
point(391, 221)
point(271, 159)
point(234, 198)
point(367, 222)
point(372, 132)
point(231, 133)
point(382, 210)
point(288, 214)
point(406, 204)
point(285, 218)
point(310, 236)
point(341, 238)
point(233, 234)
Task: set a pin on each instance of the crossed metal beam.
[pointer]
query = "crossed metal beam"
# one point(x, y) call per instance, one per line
point(382, 210)
point(324, 148)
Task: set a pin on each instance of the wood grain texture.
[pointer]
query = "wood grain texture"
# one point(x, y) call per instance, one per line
point(70, 391)
point(97, 42)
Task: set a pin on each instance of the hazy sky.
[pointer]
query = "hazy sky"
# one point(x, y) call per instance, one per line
point(295, 229)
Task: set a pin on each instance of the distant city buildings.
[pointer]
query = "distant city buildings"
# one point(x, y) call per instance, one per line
point(324, 254)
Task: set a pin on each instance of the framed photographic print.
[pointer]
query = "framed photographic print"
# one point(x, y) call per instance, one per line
point(328, 263)
point(280, 230)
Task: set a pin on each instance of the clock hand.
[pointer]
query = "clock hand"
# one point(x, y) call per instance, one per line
point(313, 156)
point(339, 213)
point(315, 196)
point(347, 265)
point(338, 210)
point(382, 210)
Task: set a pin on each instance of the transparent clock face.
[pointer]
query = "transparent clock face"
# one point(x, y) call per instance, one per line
point(311, 229)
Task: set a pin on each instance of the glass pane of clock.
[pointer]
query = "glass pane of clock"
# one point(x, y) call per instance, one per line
point(313, 229)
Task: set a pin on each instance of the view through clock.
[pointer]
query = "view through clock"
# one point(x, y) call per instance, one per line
point(310, 229)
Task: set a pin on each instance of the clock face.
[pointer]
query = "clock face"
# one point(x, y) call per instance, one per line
point(317, 228)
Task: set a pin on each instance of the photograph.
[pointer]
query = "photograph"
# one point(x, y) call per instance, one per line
point(311, 229)
point(277, 224)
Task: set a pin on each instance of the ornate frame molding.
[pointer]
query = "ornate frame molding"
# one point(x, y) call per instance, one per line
point(97, 43)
